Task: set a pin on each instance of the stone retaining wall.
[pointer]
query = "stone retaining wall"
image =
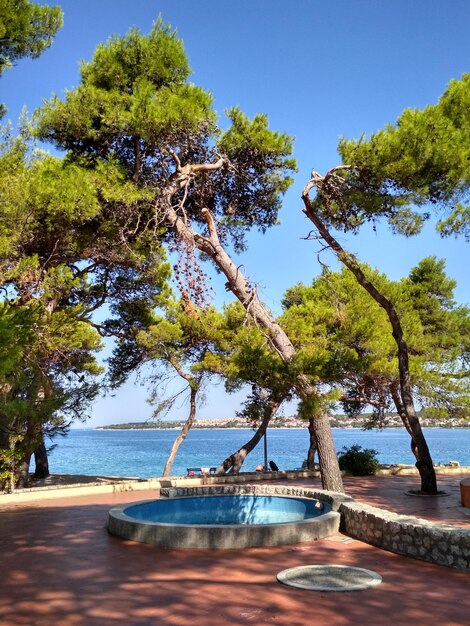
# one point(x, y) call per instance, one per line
point(410, 536)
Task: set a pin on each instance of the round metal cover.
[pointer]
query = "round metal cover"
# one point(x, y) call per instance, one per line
point(329, 578)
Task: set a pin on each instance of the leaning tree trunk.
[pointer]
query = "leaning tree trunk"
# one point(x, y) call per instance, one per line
point(5, 442)
point(29, 442)
point(22, 478)
point(420, 448)
point(184, 431)
point(4, 431)
point(41, 461)
point(28, 445)
point(247, 295)
point(234, 462)
point(313, 445)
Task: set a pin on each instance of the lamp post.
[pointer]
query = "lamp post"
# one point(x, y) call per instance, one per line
point(265, 450)
point(264, 394)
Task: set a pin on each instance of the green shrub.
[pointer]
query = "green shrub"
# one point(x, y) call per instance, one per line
point(358, 462)
point(9, 457)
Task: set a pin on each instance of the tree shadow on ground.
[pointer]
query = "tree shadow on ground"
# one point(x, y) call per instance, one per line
point(60, 566)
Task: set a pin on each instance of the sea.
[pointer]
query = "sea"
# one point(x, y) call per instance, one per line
point(143, 453)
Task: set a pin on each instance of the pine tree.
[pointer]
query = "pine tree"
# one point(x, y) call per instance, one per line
point(401, 173)
point(134, 110)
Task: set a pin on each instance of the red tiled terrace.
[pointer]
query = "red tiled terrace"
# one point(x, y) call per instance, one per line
point(59, 567)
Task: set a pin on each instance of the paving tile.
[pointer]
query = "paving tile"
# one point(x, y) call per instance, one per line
point(59, 567)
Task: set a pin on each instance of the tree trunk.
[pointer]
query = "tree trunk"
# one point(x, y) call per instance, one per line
point(4, 432)
point(247, 295)
point(21, 474)
point(184, 431)
point(137, 159)
point(41, 461)
point(419, 447)
point(28, 445)
point(234, 462)
point(424, 462)
point(313, 446)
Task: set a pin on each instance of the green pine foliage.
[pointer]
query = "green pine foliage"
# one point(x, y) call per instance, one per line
point(134, 109)
point(344, 340)
point(141, 141)
point(26, 30)
point(61, 265)
point(404, 170)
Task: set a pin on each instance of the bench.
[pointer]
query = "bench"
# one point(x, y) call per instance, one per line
point(465, 492)
point(200, 471)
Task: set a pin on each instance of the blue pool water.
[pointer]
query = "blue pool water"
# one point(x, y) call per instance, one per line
point(237, 509)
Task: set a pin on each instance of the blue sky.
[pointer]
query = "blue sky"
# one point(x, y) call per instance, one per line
point(319, 69)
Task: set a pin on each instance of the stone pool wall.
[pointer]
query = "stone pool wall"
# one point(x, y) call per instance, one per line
point(334, 499)
point(410, 536)
point(220, 536)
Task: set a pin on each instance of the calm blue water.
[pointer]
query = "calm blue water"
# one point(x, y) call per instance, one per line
point(142, 453)
point(240, 509)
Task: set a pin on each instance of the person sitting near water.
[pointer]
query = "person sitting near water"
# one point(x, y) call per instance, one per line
point(273, 466)
point(260, 468)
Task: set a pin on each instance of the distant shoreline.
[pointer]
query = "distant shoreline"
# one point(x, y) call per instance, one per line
point(358, 427)
point(365, 421)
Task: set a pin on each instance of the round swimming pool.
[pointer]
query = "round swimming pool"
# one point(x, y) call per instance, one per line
point(230, 509)
point(224, 521)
